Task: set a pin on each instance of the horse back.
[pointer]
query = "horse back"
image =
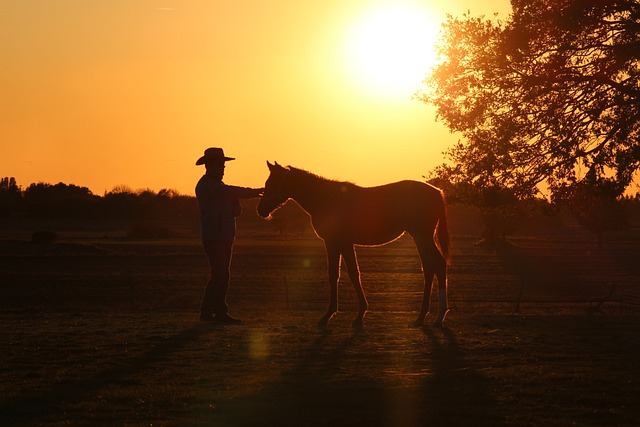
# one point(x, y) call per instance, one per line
point(376, 215)
point(404, 197)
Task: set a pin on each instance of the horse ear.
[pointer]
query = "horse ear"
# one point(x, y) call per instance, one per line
point(269, 165)
point(278, 165)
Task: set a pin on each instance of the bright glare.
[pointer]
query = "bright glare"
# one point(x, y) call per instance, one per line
point(391, 48)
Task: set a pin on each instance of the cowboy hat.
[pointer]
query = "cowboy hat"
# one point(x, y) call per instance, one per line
point(213, 154)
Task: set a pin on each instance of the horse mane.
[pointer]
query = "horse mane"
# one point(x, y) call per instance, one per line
point(314, 176)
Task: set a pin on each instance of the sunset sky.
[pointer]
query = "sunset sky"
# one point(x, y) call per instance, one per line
point(105, 93)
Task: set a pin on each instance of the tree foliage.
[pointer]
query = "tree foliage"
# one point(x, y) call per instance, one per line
point(69, 201)
point(59, 200)
point(595, 206)
point(550, 95)
point(10, 196)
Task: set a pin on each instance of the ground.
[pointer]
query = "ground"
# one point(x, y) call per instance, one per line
point(542, 331)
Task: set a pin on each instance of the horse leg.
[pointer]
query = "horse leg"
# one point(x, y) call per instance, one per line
point(433, 263)
point(426, 297)
point(443, 299)
point(350, 258)
point(333, 269)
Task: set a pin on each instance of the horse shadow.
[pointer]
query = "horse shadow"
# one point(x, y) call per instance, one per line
point(313, 392)
point(327, 388)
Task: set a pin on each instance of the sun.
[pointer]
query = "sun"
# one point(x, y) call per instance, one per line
point(390, 48)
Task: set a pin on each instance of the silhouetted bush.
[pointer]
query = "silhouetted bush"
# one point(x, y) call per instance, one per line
point(43, 200)
point(10, 197)
point(122, 203)
point(68, 201)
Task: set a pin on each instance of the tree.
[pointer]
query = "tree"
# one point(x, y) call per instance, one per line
point(550, 95)
point(501, 210)
point(61, 200)
point(595, 205)
point(10, 196)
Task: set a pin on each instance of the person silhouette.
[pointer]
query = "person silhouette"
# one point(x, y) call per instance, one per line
point(219, 206)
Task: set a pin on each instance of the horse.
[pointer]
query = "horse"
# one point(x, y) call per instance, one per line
point(344, 214)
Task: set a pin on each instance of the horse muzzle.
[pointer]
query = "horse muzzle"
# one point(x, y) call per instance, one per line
point(265, 208)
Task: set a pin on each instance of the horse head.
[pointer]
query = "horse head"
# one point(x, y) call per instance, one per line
point(273, 197)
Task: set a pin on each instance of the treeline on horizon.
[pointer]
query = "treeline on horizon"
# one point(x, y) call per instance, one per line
point(502, 214)
point(70, 201)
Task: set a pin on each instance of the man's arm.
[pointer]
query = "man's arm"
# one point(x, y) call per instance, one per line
point(243, 192)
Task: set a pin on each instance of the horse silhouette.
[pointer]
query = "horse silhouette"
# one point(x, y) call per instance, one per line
point(344, 214)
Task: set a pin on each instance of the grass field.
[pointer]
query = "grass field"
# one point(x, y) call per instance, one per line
point(102, 330)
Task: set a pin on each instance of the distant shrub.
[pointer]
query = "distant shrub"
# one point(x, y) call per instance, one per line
point(43, 200)
point(44, 237)
point(148, 231)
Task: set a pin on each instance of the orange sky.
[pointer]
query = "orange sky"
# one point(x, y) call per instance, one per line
point(104, 93)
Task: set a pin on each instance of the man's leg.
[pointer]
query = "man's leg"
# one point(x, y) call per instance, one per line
point(220, 307)
point(215, 295)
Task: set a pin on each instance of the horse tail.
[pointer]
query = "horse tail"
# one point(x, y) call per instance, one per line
point(443, 230)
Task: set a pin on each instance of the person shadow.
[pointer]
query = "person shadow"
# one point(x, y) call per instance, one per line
point(28, 409)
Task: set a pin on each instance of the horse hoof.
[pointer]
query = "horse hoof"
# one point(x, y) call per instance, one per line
point(439, 323)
